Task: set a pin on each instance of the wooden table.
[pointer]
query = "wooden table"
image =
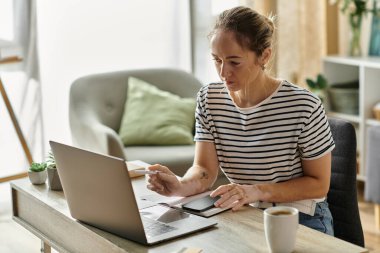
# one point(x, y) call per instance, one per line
point(45, 213)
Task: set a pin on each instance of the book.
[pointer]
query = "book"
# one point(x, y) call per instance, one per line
point(10, 50)
point(136, 165)
point(178, 202)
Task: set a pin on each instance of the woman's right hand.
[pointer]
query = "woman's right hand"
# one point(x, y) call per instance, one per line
point(165, 182)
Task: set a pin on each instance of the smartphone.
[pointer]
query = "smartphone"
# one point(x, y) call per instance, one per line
point(202, 204)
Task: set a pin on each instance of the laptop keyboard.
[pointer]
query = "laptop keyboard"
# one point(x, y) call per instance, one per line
point(153, 227)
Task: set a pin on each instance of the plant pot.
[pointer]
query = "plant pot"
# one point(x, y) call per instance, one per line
point(37, 177)
point(344, 98)
point(54, 180)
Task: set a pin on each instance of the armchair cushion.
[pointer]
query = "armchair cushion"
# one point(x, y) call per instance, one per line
point(156, 117)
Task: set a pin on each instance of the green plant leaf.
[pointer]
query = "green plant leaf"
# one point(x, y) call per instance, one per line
point(311, 83)
point(321, 82)
point(345, 6)
point(51, 160)
point(37, 167)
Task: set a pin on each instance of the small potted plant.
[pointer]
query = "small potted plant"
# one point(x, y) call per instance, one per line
point(319, 88)
point(37, 173)
point(52, 172)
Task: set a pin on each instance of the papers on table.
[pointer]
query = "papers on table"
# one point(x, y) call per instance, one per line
point(177, 202)
point(136, 165)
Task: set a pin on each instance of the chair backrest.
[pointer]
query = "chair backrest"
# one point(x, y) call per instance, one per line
point(342, 196)
point(104, 95)
point(97, 104)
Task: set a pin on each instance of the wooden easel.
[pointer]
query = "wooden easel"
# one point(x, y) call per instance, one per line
point(15, 125)
point(377, 217)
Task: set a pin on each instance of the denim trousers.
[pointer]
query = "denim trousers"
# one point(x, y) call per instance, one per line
point(321, 221)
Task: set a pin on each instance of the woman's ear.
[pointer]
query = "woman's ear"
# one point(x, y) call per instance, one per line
point(265, 56)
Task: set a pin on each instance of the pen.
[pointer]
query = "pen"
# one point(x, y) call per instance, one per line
point(144, 172)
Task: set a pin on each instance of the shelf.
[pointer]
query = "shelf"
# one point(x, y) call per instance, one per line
point(360, 178)
point(365, 70)
point(348, 117)
point(369, 61)
point(372, 122)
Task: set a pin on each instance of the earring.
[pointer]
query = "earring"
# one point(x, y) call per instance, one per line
point(263, 67)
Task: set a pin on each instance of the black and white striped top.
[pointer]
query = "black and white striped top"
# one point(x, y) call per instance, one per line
point(264, 143)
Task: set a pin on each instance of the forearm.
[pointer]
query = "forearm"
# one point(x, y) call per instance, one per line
point(305, 187)
point(314, 184)
point(196, 180)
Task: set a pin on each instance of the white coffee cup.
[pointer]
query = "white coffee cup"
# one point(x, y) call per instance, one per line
point(281, 224)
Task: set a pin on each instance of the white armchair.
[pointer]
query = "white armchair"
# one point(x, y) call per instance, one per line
point(96, 108)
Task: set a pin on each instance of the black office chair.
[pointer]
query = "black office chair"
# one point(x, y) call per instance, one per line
point(342, 196)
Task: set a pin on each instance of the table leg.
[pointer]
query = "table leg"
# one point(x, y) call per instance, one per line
point(45, 248)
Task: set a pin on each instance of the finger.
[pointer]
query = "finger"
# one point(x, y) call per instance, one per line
point(162, 178)
point(157, 185)
point(220, 190)
point(226, 199)
point(236, 194)
point(227, 191)
point(167, 177)
point(159, 167)
point(152, 175)
point(233, 195)
point(230, 201)
point(242, 199)
point(223, 198)
point(153, 180)
point(150, 180)
point(154, 188)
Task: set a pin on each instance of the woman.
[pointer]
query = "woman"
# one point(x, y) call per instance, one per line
point(271, 138)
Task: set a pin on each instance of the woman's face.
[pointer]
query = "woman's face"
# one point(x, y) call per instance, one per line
point(237, 67)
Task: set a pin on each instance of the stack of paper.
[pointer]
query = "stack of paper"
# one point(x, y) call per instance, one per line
point(136, 165)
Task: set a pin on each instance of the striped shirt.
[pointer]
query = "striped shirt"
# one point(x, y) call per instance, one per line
point(264, 143)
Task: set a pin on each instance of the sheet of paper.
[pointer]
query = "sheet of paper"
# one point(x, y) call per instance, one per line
point(177, 202)
point(189, 250)
point(136, 165)
point(172, 201)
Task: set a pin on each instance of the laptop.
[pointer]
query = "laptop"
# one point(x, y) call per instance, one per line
point(99, 192)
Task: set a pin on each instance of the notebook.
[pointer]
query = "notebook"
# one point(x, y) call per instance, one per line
point(179, 202)
point(99, 192)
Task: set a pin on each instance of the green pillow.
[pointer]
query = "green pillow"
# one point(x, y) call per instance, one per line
point(156, 117)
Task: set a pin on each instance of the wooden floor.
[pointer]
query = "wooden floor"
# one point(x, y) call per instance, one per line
point(14, 238)
point(371, 235)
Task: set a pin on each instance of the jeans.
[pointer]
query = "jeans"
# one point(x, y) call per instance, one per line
point(321, 221)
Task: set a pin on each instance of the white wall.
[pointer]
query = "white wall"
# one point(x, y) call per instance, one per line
point(91, 36)
point(205, 13)
point(6, 19)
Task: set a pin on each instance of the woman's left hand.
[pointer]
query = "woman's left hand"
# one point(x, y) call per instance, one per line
point(235, 195)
